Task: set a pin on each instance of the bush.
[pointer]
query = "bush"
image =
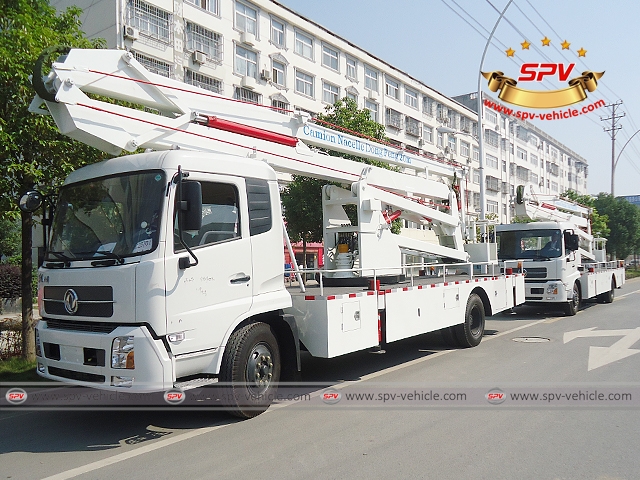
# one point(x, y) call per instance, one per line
point(10, 281)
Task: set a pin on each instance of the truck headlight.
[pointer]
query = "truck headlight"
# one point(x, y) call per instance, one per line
point(552, 289)
point(122, 355)
point(38, 348)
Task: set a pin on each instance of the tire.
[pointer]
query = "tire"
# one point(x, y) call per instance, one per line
point(470, 332)
point(250, 370)
point(572, 307)
point(607, 297)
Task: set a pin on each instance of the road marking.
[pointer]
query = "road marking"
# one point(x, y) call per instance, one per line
point(630, 293)
point(133, 453)
point(600, 356)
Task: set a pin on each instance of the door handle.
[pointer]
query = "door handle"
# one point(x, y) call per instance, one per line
point(244, 279)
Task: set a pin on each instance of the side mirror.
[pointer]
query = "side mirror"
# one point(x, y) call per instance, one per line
point(30, 201)
point(190, 206)
point(572, 242)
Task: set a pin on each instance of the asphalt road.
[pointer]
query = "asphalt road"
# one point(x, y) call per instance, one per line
point(473, 436)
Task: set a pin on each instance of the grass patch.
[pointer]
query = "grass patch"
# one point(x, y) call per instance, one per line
point(631, 273)
point(18, 370)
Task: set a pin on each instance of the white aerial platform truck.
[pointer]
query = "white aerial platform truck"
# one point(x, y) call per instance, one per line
point(165, 269)
point(562, 261)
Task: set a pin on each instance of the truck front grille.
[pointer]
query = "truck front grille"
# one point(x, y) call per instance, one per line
point(536, 272)
point(80, 376)
point(75, 326)
point(94, 301)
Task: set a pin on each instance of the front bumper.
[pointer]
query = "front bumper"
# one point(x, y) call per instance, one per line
point(552, 291)
point(84, 358)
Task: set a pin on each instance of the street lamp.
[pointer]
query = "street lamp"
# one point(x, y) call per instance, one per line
point(615, 164)
point(483, 203)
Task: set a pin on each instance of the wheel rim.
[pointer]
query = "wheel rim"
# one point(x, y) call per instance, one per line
point(476, 321)
point(576, 297)
point(259, 371)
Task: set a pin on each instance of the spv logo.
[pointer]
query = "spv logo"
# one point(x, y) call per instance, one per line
point(495, 396)
point(16, 396)
point(174, 396)
point(331, 396)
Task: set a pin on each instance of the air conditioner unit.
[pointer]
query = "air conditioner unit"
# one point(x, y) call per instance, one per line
point(265, 75)
point(373, 95)
point(131, 32)
point(199, 57)
point(497, 128)
point(420, 142)
point(247, 38)
point(248, 82)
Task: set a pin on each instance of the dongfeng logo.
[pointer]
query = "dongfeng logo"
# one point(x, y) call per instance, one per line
point(71, 301)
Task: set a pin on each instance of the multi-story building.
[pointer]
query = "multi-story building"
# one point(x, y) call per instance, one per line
point(261, 51)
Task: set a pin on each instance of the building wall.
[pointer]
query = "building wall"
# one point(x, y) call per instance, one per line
point(263, 52)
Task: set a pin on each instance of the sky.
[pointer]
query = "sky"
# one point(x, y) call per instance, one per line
point(440, 42)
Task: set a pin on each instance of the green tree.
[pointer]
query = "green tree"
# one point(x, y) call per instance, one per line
point(33, 153)
point(624, 223)
point(599, 223)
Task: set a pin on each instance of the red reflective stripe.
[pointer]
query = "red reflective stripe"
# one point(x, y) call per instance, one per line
point(446, 284)
point(419, 287)
point(309, 297)
point(457, 282)
point(388, 291)
point(352, 295)
point(370, 292)
point(331, 297)
point(239, 128)
point(404, 289)
point(433, 285)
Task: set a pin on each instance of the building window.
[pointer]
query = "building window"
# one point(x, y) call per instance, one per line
point(465, 124)
point(246, 62)
point(440, 141)
point(204, 40)
point(522, 134)
point(246, 18)
point(246, 95)
point(491, 138)
point(280, 106)
point(533, 159)
point(492, 183)
point(411, 98)
point(202, 81)
point(352, 68)
point(491, 116)
point(277, 32)
point(504, 166)
point(492, 207)
point(554, 186)
point(330, 57)
point(370, 78)
point(412, 126)
point(453, 119)
point(427, 133)
point(150, 20)
point(153, 65)
point(464, 149)
point(428, 105)
point(304, 45)
point(392, 88)
point(304, 83)
point(492, 162)
point(453, 144)
point(534, 178)
point(351, 94)
point(476, 176)
point(373, 109)
point(522, 154)
point(476, 154)
point(278, 73)
point(522, 173)
point(393, 118)
point(212, 6)
point(330, 93)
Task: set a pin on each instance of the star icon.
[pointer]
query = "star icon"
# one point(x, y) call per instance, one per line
point(565, 45)
point(525, 45)
point(510, 52)
point(582, 52)
point(545, 41)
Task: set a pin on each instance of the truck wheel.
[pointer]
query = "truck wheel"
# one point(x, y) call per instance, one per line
point(571, 308)
point(250, 370)
point(470, 332)
point(607, 297)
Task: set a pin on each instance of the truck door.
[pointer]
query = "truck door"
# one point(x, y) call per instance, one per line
point(204, 300)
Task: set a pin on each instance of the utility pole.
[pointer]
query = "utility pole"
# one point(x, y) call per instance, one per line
point(612, 133)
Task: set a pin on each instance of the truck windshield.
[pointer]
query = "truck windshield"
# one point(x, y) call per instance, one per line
point(529, 244)
point(109, 217)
